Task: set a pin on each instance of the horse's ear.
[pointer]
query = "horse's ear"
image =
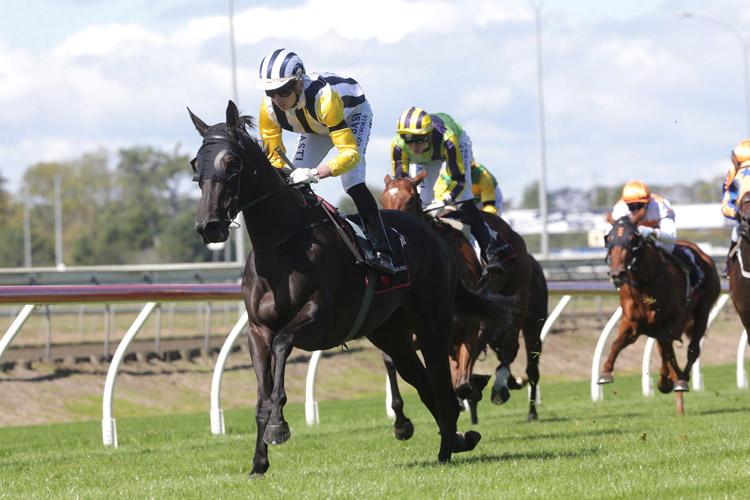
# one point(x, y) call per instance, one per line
point(387, 178)
point(200, 125)
point(233, 115)
point(419, 177)
point(610, 219)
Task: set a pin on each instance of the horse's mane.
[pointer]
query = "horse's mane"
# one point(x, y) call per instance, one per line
point(258, 150)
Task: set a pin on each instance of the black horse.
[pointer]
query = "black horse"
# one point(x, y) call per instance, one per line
point(302, 286)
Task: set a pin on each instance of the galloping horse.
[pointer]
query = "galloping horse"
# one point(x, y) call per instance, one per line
point(302, 286)
point(739, 268)
point(656, 300)
point(522, 277)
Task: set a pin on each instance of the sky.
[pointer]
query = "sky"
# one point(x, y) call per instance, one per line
point(630, 91)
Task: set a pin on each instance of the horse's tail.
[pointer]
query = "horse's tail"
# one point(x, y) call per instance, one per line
point(493, 310)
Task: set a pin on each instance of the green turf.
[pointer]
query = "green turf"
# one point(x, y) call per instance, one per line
point(626, 446)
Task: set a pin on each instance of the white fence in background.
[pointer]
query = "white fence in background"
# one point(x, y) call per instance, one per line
point(32, 297)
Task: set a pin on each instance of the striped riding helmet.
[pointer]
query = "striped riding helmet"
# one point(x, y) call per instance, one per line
point(414, 121)
point(278, 68)
point(742, 153)
point(635, 192)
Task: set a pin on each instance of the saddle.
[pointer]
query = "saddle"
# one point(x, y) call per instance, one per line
point(352, 231)
point(691, 268)
point(505, 249)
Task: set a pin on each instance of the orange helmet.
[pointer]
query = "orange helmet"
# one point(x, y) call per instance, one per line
point(635, 192)
point(742, 153)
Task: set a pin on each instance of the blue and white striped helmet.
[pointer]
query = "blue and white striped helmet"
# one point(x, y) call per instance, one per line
point(278, 68)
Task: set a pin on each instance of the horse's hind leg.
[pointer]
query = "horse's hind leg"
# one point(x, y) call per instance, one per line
point(403, 429)
point(532, 331)
point(506, 347)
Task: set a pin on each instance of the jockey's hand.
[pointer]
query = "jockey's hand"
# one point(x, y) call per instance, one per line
point(646, 231)
point(304, 175)
point(447, 199)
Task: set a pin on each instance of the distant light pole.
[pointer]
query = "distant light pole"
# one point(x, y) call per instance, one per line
point(743, 45)
point(542, 148)
point(239, 238)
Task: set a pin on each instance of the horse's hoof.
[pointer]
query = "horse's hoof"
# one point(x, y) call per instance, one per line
point(516, 383)
point(256, 475)
point(531, 417)
point(665, 387)
point(403, 432)
point(276, 434)
point(681, 386)
point(605, 378)
point(501, 395)
point(465, 441)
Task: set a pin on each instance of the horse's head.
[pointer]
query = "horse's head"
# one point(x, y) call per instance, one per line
point(743, 215)
point(625, 246)
point(401, 193)
point(217, 168)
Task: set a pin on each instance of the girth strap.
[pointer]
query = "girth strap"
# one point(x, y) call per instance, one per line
point(364, 307)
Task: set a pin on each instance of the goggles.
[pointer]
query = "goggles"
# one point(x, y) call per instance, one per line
point(283, 91)
point(635, 206)
point(414, 139)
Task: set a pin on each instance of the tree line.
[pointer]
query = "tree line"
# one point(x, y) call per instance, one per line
point(142, 209)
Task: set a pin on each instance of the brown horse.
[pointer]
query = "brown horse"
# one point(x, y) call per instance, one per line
point(657, 300)
point(522, 277)
point(739, 267)
point(303, 288)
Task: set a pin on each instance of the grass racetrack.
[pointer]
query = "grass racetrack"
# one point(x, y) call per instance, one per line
point(627, 446)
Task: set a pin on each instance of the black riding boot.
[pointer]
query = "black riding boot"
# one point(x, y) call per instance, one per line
point(488, 246)
point(725, 272)
point(687, 257)
point(374, 228)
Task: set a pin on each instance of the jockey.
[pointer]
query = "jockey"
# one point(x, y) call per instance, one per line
point(485, 186)
point(658, 224)
point(730, 193)
point(326, 110)
point(437, 144)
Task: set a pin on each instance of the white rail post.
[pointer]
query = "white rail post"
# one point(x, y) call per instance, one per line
point(311, 406)
point(217, 414)
point(647, 385)
point(109, 428)
point(741, 373)
point(596, 390)
point(15, 327)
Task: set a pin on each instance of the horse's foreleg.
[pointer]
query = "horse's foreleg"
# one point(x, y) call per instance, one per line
point(277, 429)
point(261, 357)
point(403, 429)
point(626, 336)
point(506, 347)
point(670, 372)
point(462, 363)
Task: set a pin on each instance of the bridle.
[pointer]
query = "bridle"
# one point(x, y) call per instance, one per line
point(203, 168)
point(636, 249)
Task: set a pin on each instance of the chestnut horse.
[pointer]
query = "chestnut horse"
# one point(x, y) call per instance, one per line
point(657, 300)
point(303, 288)
point(739, 267)
point(522, 277)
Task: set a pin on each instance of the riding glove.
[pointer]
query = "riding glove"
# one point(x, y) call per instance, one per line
point(434, 207)
point(647, 231)
point(304, 175)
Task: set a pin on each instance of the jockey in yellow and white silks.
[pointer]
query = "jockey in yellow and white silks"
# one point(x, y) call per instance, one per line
point(485, 186)
point(733, 189)
point(326, 110)
point(437, 145)
point(658, 224)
